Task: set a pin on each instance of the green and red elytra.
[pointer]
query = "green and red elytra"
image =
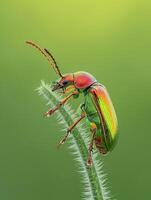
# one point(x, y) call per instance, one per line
point(97, 106)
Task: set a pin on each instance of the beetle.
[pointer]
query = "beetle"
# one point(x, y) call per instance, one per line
point(97, 106)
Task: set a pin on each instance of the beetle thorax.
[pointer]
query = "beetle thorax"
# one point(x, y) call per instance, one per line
point(83, 80)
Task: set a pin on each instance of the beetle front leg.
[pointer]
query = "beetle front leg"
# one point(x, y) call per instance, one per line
point(71, 128)
point(93, 130)
point(62, 102)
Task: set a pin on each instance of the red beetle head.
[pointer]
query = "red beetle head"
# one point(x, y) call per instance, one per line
point(63, 82)
point(81, 80)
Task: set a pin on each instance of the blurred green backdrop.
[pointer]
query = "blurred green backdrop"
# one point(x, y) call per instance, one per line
point(111, 40)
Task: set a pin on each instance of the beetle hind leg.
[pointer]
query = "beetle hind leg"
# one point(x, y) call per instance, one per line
point(93, 130)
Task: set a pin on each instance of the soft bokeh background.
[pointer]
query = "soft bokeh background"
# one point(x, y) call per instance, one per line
point(111, 40)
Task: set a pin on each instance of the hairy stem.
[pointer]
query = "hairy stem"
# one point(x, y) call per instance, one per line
point(93, 178)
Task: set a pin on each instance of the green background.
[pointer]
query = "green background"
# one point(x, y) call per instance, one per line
point(111, 40)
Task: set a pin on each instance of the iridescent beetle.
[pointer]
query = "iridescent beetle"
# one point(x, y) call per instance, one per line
point(97, 106)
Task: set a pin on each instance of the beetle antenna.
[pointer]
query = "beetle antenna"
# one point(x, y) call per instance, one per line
point(56, 66)
point(48, 56)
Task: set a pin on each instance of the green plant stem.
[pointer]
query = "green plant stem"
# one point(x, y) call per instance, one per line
point(93, 178)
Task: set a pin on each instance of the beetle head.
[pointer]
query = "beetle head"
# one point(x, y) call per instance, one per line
point(63, 82)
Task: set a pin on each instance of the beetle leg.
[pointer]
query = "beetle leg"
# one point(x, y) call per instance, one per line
point(70, 129)
point(93, 130)
point(62, 102)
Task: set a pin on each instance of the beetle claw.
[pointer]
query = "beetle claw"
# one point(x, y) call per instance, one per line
point(64, 139)
point(60, 143)
point(89, 162)
point(46, 114)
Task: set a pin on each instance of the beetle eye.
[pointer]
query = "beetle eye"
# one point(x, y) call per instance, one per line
point(65, 82)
